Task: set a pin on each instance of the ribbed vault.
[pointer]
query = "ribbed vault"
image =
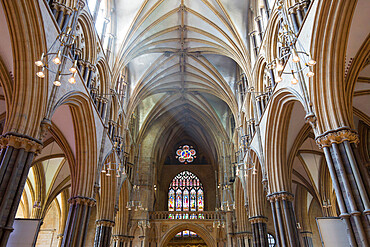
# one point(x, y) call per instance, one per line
point(184, 58)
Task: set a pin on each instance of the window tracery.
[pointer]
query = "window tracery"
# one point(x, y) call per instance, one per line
point(185, 193)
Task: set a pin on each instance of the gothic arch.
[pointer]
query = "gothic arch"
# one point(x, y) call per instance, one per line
point(329, 42)
point(28, 41)
point(278, 173)
point(83, 173)
point(201, 231)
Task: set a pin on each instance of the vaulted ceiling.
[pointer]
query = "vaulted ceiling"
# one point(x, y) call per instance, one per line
point(184, 58)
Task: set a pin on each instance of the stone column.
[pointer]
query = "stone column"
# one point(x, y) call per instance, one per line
point(349, 177)
point(77, 221)
point(284, 219)
point(17, 153)
point(307, 238)
point(293, 17)
point(259, 230)
point(229, 228)
point(254, 42)
point(60, 239)
point(258, 21)
point(103, 233)
point(121, 240)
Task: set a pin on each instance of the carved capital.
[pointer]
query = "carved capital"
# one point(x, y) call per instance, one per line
point(120, 238)
point(279, 196)
point(82, 201)
point(107, 223)
point(258, 219)
point(338, 136)
point(20, 142)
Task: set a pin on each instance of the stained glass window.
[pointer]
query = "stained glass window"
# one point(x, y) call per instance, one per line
point(186, 233)
point(171, 200)
point(186, 193)
point(185, 154)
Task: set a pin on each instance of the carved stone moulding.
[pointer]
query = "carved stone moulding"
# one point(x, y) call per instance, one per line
point(337, 136)
point(19, 141)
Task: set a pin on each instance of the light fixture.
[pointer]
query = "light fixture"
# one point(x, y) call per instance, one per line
point(299, 226)
point(57, 59)
point(60, 51)
point(39, 63)
point(278, 79)
point(311, 61)
point(294, 79)
point(41, 73)
point(73, 69)
point(72, 80)
point(295, 58)
point(254, 171)
point(57, 81)
point(279, 65)
point(310, 73)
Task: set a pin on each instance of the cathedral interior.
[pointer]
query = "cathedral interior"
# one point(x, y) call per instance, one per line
point(150, 123)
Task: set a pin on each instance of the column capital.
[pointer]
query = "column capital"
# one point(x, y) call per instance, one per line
point(82, 200)
point(20, 141)
point(258, 219)
point(122, 238)
point(306, 234)
point(104, 222)
point(278, 196)
point(337, 136)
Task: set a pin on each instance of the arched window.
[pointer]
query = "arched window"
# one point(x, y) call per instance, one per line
point(185, 193)
point(271, 240)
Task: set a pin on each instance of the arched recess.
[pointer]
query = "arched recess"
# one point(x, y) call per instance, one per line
point(276, 137)
point(86, 38)
point(201, 231)
point(83, 173)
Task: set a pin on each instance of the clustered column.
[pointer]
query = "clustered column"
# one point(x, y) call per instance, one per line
point(307, 238)
point(122, 241)
point(284, 219)
point(103, 232)
point(77, 221)
point(17, 153)
point(349, 176)
point(259, 230)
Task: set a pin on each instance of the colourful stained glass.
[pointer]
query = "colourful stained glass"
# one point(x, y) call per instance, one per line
point(185, 204)
point(185, 154)
point(193, 200)
point(185, 193)
point(171, 200)
point(186, 233)
point(200, 200)
point(178, 200)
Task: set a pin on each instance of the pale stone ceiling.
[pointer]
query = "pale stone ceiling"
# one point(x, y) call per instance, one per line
point(184, 58)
